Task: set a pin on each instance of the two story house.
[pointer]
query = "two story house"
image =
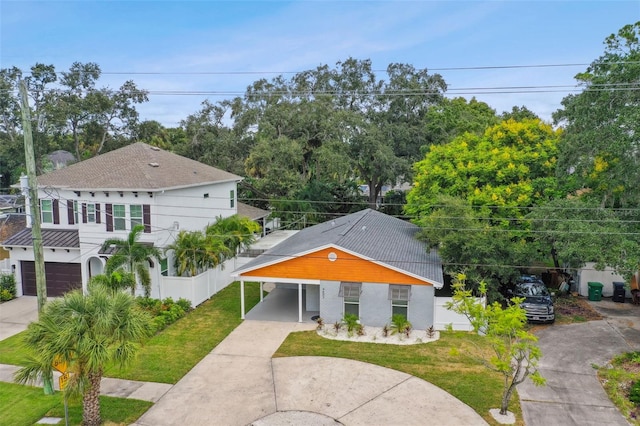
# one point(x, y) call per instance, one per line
point(104, 197)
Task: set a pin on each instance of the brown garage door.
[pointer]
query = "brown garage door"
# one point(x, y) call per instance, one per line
point(61, 277)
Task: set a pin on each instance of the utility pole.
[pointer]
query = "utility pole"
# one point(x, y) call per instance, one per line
point(36, 232)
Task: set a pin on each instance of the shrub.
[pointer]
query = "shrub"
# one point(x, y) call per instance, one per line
point(164, 312)
point(400, 324)
point(634, 393)
point(7, 287)
point(350, 321)
point(185, 304)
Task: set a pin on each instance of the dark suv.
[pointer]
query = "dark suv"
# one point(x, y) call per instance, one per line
point(537, 303)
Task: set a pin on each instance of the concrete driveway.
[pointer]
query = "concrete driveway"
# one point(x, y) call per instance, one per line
point(573, 395)
point(239, 383)
point(17, 314)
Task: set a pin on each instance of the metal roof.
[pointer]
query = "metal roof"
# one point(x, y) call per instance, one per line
point(51, 238)
point(134, 167)
point(368, 233)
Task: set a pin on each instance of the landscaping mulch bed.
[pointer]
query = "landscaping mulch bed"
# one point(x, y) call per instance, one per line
point(576, 309)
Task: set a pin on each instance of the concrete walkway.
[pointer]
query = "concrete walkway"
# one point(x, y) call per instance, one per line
point(239, 383)
point(573, 395)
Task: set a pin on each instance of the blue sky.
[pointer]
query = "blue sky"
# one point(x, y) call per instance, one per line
point(247, 40)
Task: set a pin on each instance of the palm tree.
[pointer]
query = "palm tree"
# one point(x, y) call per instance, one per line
point(188, 252)
point(86, 332)
point(132, 256)
point(194, 252)
point(236, 232)
point(117, 280)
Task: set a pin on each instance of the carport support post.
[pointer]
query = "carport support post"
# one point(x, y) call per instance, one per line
point(241, 299)
point(299, 302)
point(261, 285)
point(36, 233)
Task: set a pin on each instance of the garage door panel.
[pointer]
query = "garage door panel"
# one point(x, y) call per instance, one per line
point(60, 277)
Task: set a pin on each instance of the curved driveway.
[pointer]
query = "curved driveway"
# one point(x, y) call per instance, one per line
point(238, 383)
point(573, 395)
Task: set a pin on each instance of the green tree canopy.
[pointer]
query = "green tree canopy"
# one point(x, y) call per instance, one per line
point(601, 149)
point(511, 166)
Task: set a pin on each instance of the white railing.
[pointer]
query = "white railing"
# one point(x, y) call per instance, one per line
point(444, 317)
point(199, 288)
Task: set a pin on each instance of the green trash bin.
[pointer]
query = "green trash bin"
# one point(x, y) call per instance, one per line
point(595, 291)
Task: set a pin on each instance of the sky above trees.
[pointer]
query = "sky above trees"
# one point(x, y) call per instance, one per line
point(186, 52)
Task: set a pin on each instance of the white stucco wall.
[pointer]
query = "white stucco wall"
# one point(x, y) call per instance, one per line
point(606, 277)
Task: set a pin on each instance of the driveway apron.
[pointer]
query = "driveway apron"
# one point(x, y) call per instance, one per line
point(573, 395)
point(238, 383)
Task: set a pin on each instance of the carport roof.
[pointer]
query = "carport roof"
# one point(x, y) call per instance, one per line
point(51, 238)
point(368, 233)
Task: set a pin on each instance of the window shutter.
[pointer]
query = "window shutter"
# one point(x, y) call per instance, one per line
point(56, 212)
point(98, 213)
point(108, 208)
point(70, 215)
point(84, 212)
point(146, 217)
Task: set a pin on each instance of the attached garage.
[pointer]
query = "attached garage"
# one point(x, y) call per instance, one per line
point(61, 277)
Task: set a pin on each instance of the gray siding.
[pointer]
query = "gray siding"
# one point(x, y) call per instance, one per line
point(331, 306)
point(375, 306)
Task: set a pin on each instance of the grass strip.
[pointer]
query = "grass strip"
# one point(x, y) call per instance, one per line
point(26, 405)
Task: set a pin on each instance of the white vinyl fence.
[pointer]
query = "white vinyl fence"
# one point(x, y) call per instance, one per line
point(199, 288)
point(443, 316)
point(5, 266)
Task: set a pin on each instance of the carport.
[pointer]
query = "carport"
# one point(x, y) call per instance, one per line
point(282, 304)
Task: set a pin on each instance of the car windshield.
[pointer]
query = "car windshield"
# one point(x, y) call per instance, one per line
point(532, 289)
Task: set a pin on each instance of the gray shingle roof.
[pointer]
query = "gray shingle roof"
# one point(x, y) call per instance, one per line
point(134, 167)
point(51, 238)
point(370, 234)
point(253, 213)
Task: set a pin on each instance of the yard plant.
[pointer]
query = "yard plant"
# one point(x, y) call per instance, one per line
point(514, 352)
point(85, 332)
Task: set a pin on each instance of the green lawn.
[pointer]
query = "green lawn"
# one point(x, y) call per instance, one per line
point(25, 405)
point(174, 351)
point(170, 354)
point(460, 375)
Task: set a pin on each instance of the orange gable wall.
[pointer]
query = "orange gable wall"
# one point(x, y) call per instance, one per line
point(346, 267)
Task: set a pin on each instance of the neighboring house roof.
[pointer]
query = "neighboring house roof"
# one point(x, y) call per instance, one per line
point(253, 213)
point(61, 158)
point(11, 225)
point(10, 202)
point(135, 167)
point(380, 238)
point(51, 238)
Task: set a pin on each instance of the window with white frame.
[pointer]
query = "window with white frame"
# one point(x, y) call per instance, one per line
point(46, 211)
point(119, 217)
point(232, 198)
point(350, 292)
point(136, 215)
point(399, 296)
point(91, 213)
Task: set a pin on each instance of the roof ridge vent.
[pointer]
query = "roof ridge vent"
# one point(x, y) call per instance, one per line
point(154, 164)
